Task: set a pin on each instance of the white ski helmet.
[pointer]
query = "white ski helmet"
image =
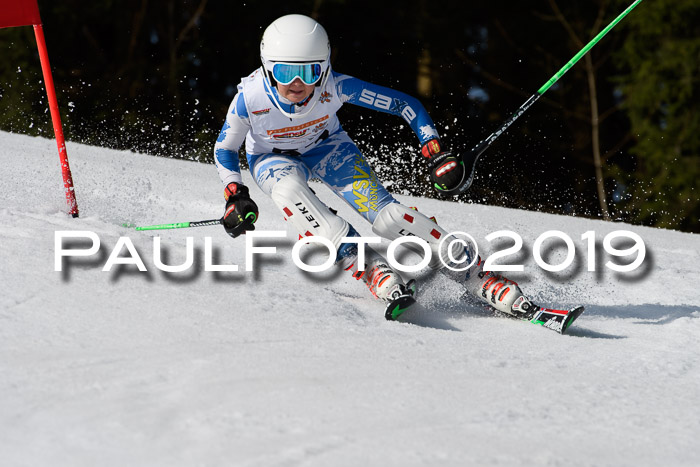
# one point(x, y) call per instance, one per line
point(299, 46)
point(295, 38)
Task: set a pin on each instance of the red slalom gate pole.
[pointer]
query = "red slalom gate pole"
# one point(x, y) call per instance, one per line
point(56, 119)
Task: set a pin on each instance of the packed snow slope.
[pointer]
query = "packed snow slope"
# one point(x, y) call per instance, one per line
point(281, 367)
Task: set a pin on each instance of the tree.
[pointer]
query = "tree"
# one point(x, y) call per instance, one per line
point(592, 96)
point(660, 86)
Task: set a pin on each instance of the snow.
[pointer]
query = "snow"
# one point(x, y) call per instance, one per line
point(281, 367)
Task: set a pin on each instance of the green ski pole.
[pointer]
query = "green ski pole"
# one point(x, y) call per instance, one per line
point(469, 160)
point(183, 225)
point(178, 225)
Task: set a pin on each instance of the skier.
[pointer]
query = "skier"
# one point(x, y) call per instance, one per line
point(286, 113)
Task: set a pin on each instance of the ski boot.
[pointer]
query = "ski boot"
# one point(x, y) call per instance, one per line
point(506, 297)
point(382, 281)
point(497, 291)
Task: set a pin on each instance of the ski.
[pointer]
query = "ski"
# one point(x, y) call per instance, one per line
point(399, 304)
point(524, 310)
point(556, 320)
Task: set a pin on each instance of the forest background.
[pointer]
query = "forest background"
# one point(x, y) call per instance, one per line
point(616, 138)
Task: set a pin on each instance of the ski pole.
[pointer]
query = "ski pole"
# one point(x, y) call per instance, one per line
point(184, 225)
point(178, 225)
point(469, 160)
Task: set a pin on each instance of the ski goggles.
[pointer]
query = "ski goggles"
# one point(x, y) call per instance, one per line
point(285, 73)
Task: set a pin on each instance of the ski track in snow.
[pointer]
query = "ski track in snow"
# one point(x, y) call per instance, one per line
point(279, 367)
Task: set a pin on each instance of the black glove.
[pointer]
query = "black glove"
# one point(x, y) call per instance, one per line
point(241, 211)
point(446, 170)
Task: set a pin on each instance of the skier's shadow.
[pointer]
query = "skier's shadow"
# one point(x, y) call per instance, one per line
point(583, 332)
point(424, 317)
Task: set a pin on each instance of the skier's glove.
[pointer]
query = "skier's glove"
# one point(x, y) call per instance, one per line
point(446, 170)
point(241, 211)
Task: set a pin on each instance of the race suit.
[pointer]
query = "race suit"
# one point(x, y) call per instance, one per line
point(315, 145)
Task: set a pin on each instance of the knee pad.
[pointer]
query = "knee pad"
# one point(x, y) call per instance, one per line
point(306, 212)
point(396, 220)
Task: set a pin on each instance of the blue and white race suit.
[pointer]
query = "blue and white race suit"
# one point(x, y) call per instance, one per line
point(314, 145)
